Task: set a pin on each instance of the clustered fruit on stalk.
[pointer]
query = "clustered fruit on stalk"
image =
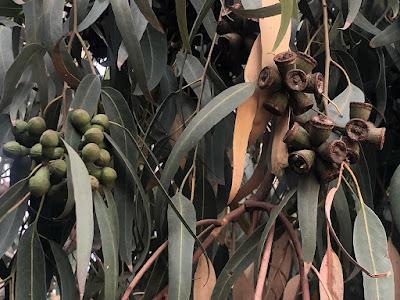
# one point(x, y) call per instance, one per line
point(45, 146)
point(318, 143)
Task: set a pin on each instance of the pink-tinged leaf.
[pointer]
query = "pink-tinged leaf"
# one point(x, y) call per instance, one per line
point(244, 285)
point(204, 279)
point(281, 262)
point(292, 288)
point(354, 7)
point(395, 259)
point(331, 275)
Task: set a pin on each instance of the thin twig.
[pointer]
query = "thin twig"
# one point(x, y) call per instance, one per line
point(312, 39)
point(343, 71)
point(333, 103)
point(327, 52)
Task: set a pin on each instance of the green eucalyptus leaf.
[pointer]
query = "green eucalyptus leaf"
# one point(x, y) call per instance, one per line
point(387, 36)
point(286, 11)
point(343, 219)
point(180, 6)
point(209, 22)
point(354, 7)
point(9, 8)
point(33, 11)
point(371, 251)
point(394, 197)
point(66, 279)
point(307, 204)
point(9, 227)
point(180, 248)
point(86, 97)
point(109, 245)
point(15, 71)
point(31, 273)
point(258, 13)
point(145, 8)
point(10, 200)
point(125, 23)
point(394, 5)
point(6, 53)
point(80, 191)
point(236, 265)
point(99, 6)
point(52, 22)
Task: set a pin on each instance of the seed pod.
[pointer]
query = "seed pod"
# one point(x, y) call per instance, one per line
point(58, 168)
point(98, 127)
point(52, 152)
point(108, 176)
point(94, 135)
point(285, 61)
point(49, 138)
point(315, 83)
point(334, 151)
point(79, 118)
point(12, 149)
point(296, 80)
point(360, 110)
point(94, 182)
point(301, 103)
point(36, 151)
point(36, 126)
point(39, 183)
point(94, 170)
point(104, 158)
point(326, 171)
point(353, 150)
point(297, 137)
point(376, 135)
point(85, 128)
point(90, 152)
point(102, 145)
point(269, 79)
point(24, 151)
point(276, 103)
point(20, 127)
point(320, 129)
point(101, 119)
point(305, 62)
point(301, 161)
point(357, 130)
point(27, 139)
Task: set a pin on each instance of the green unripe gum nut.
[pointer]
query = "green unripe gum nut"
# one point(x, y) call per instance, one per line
point(90, 152)
point(20, 127)
point(49, 138)
point(12, 149)
point(94, 135)
point(39, 183)
point(101, 119)
point(36, 151)
point(108, 176)
point(94, 182)
point(104, 158)
point(58, 168)
point(97, 126)
point(24, 151)
point(94, 170)
point(36, 126)
point(53, 152)
point(79, 118)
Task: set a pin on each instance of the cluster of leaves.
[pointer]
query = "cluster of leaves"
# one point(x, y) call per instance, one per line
point(169, 76)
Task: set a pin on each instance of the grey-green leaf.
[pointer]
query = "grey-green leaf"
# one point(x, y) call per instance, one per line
point(31, 273)
point(307, 203)
point(217, 109)
point(14, 194)
point(387, 36)
point(65, 274)
point(394, 197)
point(209, 22)
point(354, 7)
point(394, 5)
point(203, 15)
point(9, 227)
point(371, 251)
point(52, 22)
point(145, 8)
point(286, 12)
point(99, 6)
point(262, 12)
point(6, 53)
point(182, 22)
point(81, 192)
point(180, 248)
point(109, 246)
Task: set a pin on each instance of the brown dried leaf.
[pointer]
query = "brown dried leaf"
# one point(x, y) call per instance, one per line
point(395, 259)
point(204, 279)
point(331, 275)
point(281, 262)
point(292, 289)
point(279, 153)
point(244, 285)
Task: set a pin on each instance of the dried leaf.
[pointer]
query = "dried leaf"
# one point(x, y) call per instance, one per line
point(292, 288)
point(244, 285)
point(204, 279)
point(395, 259)
point(332, 276)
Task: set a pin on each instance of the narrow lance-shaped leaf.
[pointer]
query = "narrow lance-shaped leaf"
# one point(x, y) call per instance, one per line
point(12, 197)
point(30, 281)
point(52, 22)
point(286, 11)
point(262, 12)
point(182, 22)
point(202, 14)
point(394, 197)
point(371, 251)
point(148, 13)
point(387, 36)
point(6, 54)
point(109, 246)
point(66, 279)
point(95, 12)
point(79, 189)
point(307, 203)
point(180, 252)
point(209, 22)
point(354, 7)
point(204, 279)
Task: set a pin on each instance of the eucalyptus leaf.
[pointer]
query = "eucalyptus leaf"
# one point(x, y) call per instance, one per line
point(30, 279)
point(52, 22)
point(66, 279)
point(180, 248)
point(109, 246)
point(354, 7)
point(203, 15)
point(99, 6)
point(180, 6)
point(387, 36)
point(394, 5)
point(371, 251)
point(209, 22)
point(6, 54)
point(394, 197)
point(10, 200)
point(261, 12)
point(307, 204)
point(286, 12)
point(79, 189)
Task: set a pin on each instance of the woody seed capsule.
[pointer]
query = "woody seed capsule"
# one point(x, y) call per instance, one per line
point(315, 83)
point(301, 103)
point(301, 161)
point(357, 130)
point(353, 150)
point(320, 129)
point(360, 110)
point(269, 79)
point(276, 103)
point(333, 151)
point(297, 137)
point(296, 80)
point(285, 61)
point(376, 135)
